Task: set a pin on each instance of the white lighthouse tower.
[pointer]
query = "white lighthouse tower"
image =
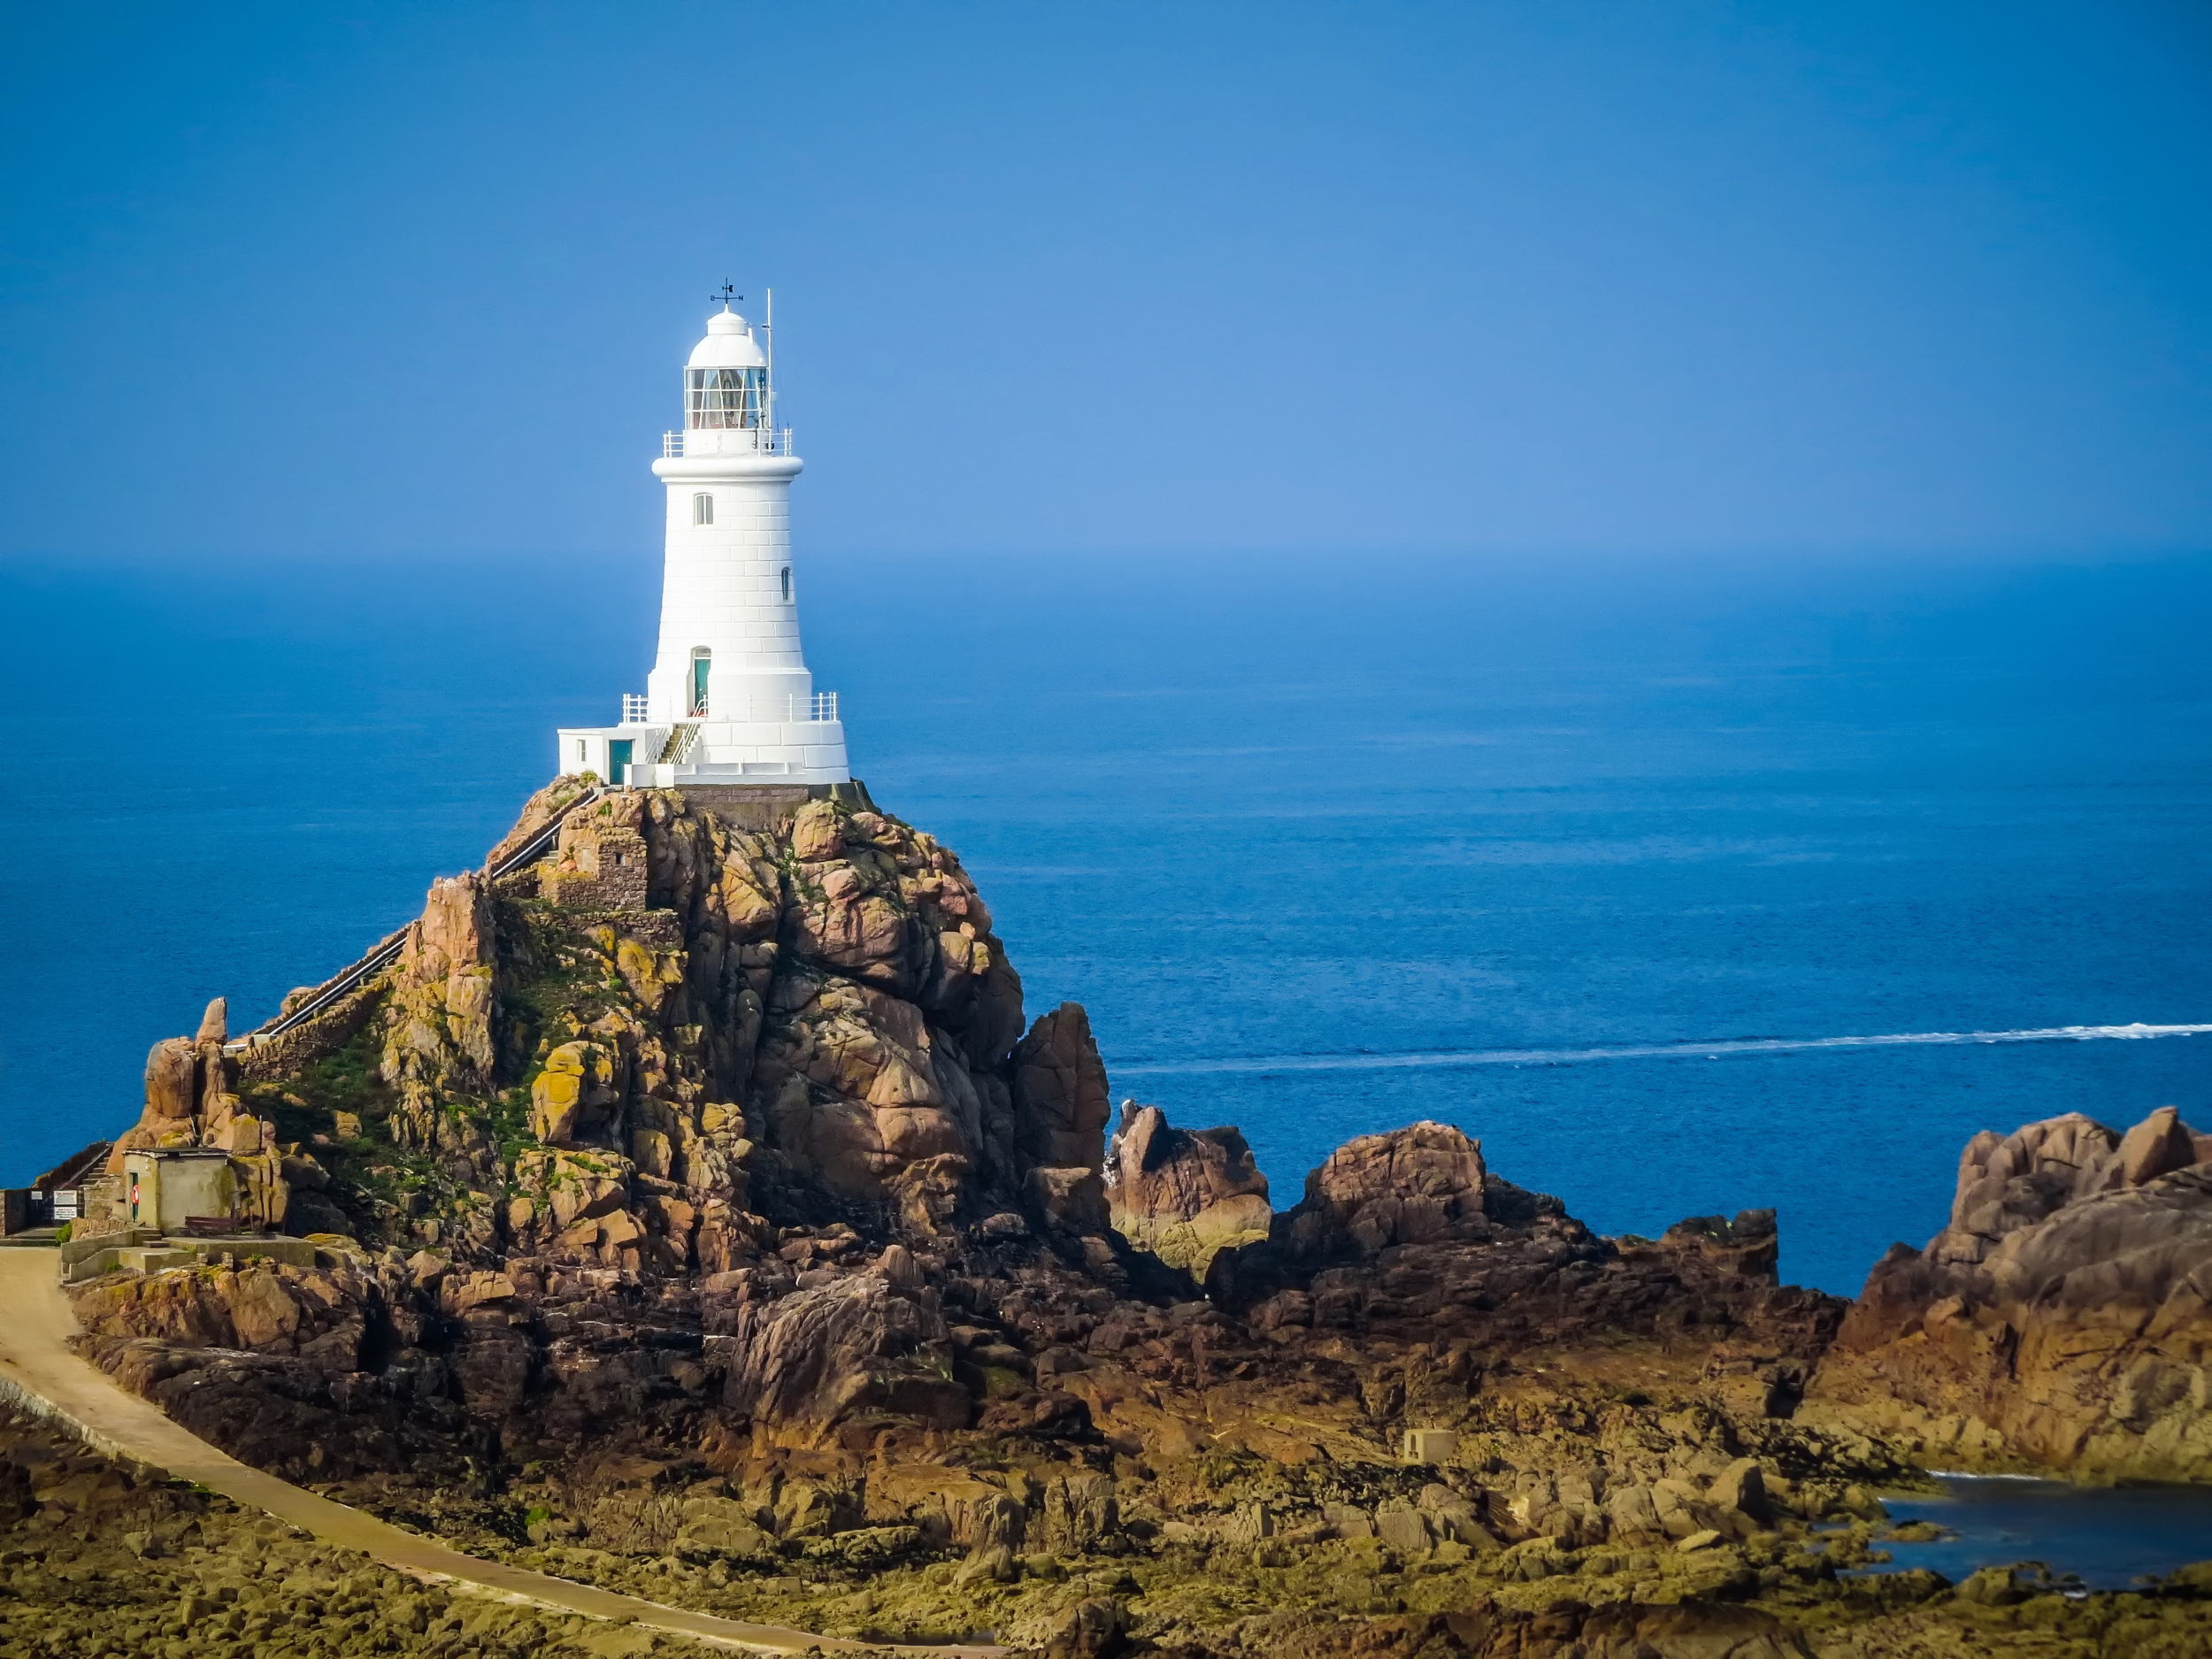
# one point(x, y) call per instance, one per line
point(729, 699)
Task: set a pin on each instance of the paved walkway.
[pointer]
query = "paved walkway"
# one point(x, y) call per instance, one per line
point(37, 1371)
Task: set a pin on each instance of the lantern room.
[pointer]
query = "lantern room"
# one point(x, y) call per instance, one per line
point(726, 382)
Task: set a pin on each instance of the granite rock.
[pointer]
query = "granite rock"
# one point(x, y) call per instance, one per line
point(2062, 1319)
point(1184, 1195)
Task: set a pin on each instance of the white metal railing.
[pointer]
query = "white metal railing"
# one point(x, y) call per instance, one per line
point(726, 441)
point(682, 739)
point(632, 709)
point(822, 705)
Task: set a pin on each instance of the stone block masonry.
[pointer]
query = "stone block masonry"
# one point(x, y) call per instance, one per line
point(764, 806)
point(600, 861)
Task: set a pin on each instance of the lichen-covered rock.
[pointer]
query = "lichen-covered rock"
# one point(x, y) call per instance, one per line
point(1184, 1194)
point(266, 1308)
point(577, 1099)
point(438, 1040)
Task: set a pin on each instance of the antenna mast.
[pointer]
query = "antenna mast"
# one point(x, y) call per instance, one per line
point(768, 330)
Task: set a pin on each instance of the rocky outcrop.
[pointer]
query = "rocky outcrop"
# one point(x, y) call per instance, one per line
point(1184, 1195)
point(855, 1345)
point(681, 997)
point(681, 1050)
point(438, 1019)
point(1409, 1232)
point(1060, 1105)
point(193, 1100)
point(2062, 1318)
point(266, 1307)
point(1422, 1183)
point(189, 1090)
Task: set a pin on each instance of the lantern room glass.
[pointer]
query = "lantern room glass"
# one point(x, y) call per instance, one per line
point(717, 398)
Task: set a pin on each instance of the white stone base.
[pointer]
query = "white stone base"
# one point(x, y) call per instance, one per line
point(727, 751)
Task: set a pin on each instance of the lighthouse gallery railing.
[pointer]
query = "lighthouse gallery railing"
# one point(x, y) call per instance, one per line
point(808, 711)
point(726, 441)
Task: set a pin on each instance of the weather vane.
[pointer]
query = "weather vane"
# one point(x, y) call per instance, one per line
point(728, 294)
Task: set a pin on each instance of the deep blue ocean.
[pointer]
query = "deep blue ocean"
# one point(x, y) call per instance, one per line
point(1325, 845)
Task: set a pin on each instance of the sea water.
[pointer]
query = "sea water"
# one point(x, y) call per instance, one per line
point(2108, 1537)
point(1643, 875)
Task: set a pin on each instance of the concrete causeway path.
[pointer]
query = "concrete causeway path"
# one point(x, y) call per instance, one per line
point(38, 1373)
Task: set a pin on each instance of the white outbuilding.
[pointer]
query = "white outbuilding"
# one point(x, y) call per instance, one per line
point(729, 699)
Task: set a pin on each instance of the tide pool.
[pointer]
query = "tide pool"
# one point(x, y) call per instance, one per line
point(2108, 1536)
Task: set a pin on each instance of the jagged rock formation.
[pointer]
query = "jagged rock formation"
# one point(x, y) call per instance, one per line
point(1411, 1231)
point(191, 1100)
point(2062, 1318)
point(1183, 1194)
point(833, 991)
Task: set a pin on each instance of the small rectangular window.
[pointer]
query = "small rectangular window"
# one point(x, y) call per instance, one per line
point(703, 510)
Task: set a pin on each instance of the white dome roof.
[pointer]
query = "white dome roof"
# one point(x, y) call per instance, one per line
point(729, 344)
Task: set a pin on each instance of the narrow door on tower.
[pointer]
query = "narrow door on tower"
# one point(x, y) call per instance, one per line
point(701, 660)
point(618, 760)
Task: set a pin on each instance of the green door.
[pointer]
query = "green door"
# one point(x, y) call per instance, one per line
point(618, 760)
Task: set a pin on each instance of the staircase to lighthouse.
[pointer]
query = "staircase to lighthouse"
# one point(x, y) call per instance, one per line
point(729, 700)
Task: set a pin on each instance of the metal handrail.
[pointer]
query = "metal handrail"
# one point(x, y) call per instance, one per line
point(530, 850)
point(386, 952)
point(633, 707)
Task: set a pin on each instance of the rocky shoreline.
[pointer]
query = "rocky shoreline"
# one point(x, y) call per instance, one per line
point(696, 1213)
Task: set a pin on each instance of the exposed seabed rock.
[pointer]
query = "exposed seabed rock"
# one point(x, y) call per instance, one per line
point(103, 1558)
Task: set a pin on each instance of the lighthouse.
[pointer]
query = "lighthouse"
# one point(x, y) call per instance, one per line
point(729, 700)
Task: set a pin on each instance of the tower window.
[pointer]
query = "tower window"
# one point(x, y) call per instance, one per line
point(786, 584)
point(703, 508)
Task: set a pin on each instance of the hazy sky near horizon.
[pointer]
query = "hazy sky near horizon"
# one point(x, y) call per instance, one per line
point(346, 281)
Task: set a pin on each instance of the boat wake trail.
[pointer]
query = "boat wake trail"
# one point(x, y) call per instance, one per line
point(1642, 1051)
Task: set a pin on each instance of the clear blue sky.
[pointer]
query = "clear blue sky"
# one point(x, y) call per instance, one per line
point(344, 282)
